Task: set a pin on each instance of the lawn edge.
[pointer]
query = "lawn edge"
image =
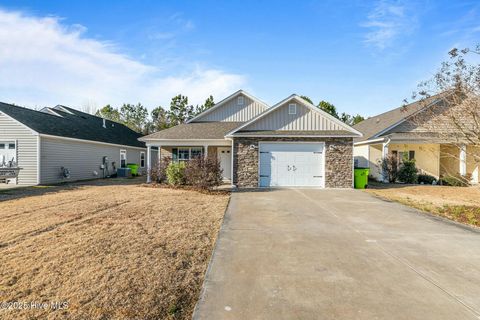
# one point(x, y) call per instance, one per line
point(429, 214)
point(203, 289)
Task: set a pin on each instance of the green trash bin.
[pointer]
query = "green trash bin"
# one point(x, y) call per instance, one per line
point(361, 178)
point(133, 168)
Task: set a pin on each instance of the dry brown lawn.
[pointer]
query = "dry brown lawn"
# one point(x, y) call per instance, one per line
point(461, 204)
point(110, 249)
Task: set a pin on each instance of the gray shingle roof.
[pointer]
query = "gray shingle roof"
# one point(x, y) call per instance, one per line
point(293, 133)
point(196, 130)
point(372, 126)
point(76, 124)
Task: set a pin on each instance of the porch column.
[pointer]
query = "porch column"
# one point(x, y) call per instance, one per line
point(205, 147)
point(149, 163)
point(463, 160)
point(384, 156)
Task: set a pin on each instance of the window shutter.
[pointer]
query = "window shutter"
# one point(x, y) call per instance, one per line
point(174, 154)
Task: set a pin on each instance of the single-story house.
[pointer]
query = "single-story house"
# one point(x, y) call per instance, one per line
point(290, 144)
point(415, 131)
point(63, 144)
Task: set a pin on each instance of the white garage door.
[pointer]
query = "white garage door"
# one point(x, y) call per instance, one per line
point(291, 164)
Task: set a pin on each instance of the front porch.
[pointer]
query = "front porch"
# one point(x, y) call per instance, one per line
point(435, 159)
point(184, 150)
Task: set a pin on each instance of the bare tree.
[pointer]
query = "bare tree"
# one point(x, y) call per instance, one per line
point(449, 111)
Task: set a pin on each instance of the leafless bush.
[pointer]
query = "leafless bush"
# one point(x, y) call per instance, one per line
point(158, 172)
point(203, 173)
point(389, 168)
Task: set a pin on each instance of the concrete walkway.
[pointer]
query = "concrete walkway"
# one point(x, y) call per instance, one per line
point(338, 254)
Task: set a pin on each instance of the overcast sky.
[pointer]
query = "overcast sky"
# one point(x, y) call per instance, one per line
point(364, 57)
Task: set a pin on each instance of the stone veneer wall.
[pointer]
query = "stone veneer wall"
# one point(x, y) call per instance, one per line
point(338, 161)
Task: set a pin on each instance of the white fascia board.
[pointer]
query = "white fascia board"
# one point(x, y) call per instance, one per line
point(91, 141)
point(222, 102)
point(306, 104)
point(50, 111)
point(35, 133)
point(62, 108)
point(187, 142)
point(293, 136)
point(371, 141)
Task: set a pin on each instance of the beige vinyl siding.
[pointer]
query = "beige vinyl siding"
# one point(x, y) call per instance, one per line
point(231, 112)
point(375, 158)
point(12, 130)
point(361, 156)
point(427, 156)
point(304, 119)
point(450, 161)
point(81, 158)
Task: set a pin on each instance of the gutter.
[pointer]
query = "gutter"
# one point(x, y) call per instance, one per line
point(368, 141)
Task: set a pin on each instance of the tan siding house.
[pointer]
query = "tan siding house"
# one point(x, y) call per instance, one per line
point(415, 131)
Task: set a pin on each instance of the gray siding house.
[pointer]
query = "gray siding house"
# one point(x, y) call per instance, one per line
point(45, 143)
point(290, 144)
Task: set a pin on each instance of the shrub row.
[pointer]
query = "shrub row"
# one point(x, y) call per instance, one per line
point(407, 172)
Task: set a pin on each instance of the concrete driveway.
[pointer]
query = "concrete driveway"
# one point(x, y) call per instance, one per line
point(338, 254)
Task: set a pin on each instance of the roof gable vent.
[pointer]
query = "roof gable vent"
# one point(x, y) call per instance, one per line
point(292, 108)
point(240, 101)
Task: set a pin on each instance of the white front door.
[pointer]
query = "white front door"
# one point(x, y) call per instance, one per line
point(225, 158)
point(291, 164)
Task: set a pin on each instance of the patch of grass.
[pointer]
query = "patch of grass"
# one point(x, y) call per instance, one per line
point(460, 213)
point(465, 214)
point(111, 249)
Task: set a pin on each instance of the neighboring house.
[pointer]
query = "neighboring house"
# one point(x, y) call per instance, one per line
point(401, 133)
point(292, 143)
point(44, 143)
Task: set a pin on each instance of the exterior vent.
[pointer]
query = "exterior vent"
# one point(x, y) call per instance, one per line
point(292, 108)
point(240, 101)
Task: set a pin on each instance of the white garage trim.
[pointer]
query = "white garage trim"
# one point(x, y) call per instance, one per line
point(260, 143)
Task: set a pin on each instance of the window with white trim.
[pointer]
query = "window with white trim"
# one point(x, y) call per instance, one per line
point(292, 108)
point(240, 101)
point(8, 153)
point(186, 153)
point(142, 159)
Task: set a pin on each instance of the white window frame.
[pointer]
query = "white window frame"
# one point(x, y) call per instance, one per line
point(189, 152)
point(292, 108)
point(142, 153)
point(123, 151)
point(240, 101)
point(7, 144)
point(178, 153)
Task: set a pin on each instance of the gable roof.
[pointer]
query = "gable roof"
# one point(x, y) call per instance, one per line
point(194, 131)
point(224, 101)
point(344, 127)
point(373, 127)
point(66, 122)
